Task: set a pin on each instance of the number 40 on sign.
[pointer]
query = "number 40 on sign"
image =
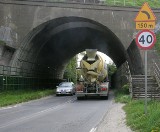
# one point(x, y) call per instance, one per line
point(145, 39)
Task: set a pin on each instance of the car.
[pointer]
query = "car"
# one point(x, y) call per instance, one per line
point(65, 88)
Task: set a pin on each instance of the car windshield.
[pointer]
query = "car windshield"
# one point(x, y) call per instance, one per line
point(65, 84)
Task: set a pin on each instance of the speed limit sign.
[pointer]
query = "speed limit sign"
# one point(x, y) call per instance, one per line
point(145, 39)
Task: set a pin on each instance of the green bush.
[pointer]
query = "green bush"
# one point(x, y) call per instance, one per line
point(122, 95)
point(123, 99)
point(125, 88)
point(2, 42)
point(157, 45)
point(70, 72)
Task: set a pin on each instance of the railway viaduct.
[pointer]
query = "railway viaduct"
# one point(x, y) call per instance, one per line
point(48, 34)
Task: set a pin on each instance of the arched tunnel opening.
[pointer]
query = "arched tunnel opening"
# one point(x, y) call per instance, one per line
point(50, 46)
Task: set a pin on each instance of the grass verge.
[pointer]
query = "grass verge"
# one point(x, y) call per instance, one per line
point(157, 45)
point(137, 3)
point(135, 117)
point(11, 97)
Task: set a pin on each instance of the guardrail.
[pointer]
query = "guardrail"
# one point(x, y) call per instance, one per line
point(15, 71)
point(129, 77)
point(124, 77)
point(18, 78)
point(130, 81)
point(156, 72)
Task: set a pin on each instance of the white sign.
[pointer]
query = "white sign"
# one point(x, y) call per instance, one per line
point(145, 39)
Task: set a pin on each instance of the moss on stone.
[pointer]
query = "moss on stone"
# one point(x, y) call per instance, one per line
point(2, 42)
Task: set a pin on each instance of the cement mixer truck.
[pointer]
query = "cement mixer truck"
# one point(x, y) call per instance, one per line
point(95, 76)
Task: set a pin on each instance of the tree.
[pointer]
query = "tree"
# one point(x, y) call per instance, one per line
point(70, 72)
point(111, 69)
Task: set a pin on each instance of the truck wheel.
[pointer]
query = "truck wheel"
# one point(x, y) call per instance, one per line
point(80, 98)
point(104, 97)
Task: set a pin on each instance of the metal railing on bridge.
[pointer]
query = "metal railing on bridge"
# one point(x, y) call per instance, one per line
point(156, 70)
point(123, 77)
point(18, 78)
point(101, 2)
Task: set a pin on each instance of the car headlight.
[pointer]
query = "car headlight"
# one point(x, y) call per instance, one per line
point(58, 90)
point(68, 90)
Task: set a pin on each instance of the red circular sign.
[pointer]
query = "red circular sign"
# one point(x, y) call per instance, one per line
point(145, 39)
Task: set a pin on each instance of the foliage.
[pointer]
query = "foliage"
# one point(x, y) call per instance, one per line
point(138, 120)
point(135, 117)
point(56, 0)
point(125, 88)
point(122, 96)
point(79, 74)
point(157, 45)
point(139, 3)
point(152, 3)
point(111, 69)
point(2, 42)
point(10, 97)
point(70, 72)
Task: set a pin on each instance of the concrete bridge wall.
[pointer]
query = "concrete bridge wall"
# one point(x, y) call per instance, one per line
point(23, 23)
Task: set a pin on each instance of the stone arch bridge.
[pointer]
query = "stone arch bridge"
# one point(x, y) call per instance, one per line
point(49, 34)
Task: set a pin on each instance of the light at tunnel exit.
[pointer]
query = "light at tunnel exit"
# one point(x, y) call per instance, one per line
point(107, 59)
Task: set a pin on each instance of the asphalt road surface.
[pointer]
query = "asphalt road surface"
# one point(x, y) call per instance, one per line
point(54, 114)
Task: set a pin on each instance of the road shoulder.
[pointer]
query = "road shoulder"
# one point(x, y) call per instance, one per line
point(114, 120)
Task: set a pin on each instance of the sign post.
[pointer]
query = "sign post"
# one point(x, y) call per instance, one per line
point(145, 40)
point(145, 107)
point(145, 20)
